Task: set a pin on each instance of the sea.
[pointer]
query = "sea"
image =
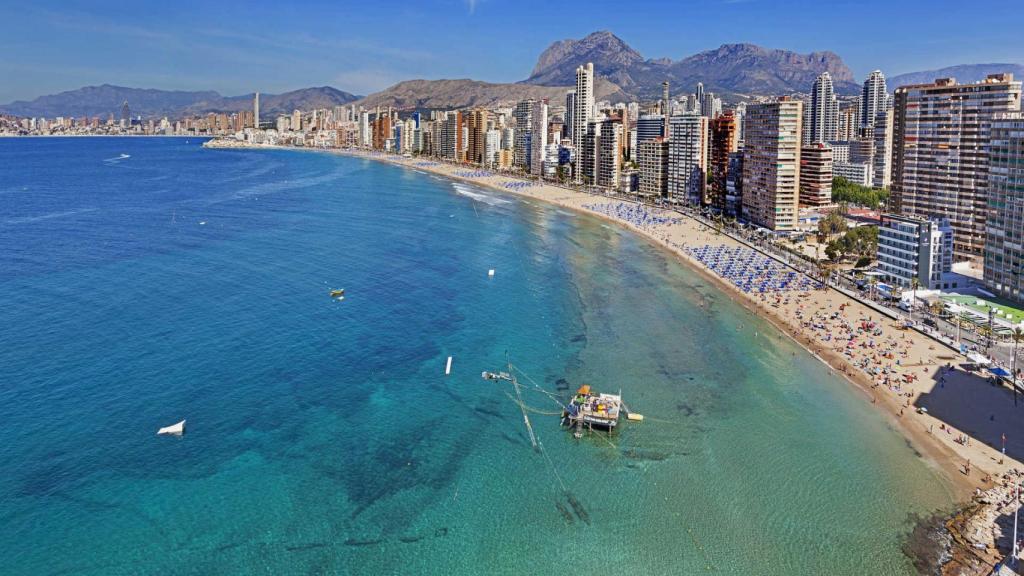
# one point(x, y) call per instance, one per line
point(150, 280)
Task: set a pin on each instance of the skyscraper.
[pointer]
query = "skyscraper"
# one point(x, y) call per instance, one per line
point(583, 106)
point(538, 136)
point(256, 111)
point(476, 122)
point(126, 114)
point(688, 158)
point(1004, 238)
point(652, 157)
point(570, 109)
point(816, 174)
point(771, 163)
point(824, 110)
point(724, 142)
point(940, 153)
point(882, 134)
point(873, 99)
point(523, 114)
point(666, 105)
point(609, 154)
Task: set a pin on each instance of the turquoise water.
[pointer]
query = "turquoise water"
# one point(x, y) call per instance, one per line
point(323, 436)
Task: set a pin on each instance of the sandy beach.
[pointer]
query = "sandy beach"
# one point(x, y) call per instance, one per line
point(961, 429)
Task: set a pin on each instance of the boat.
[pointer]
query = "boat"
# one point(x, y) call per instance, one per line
point(338, 294)
point(172, 430)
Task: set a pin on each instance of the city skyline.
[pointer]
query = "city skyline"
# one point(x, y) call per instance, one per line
point(200, 47)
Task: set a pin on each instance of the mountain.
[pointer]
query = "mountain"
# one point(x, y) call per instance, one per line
point(150, 103)
point(963, 73)
point(451, 94)
point(730, 69)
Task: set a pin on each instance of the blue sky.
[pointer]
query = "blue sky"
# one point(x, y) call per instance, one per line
point(236, 47)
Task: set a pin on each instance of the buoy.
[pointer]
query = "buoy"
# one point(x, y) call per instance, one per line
point(635, 417)
point(448, 368)
point(490, 272)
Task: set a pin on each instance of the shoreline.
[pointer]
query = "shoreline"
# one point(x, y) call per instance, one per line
point(921, 355)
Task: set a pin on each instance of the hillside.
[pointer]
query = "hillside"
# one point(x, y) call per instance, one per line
point(450, 94)
point(105, 100)
point(730, 69)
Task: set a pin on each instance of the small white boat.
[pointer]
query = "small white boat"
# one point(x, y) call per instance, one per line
point(172, 430)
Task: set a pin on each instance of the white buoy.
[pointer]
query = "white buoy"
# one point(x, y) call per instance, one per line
point(490, 272)
point(173, 430)
point(448, 368)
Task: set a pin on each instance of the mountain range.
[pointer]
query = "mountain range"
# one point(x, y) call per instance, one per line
point(105, 100)
point(964, 73)
point(733, 71)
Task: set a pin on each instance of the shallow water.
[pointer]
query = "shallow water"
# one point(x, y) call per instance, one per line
point(323, 436)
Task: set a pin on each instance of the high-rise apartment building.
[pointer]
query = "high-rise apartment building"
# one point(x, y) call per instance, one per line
point(583, 106)
point(609, 154)
point(824, 110)
point(771, 163)
point(538, 136)
point(688, 149)
point(816, 174)
point(882, 135)
point(1004, 228)
point(523, 114)
point(476, 122)
point(874, 99)
point(649, 127)
point(256, 111)
point(910, 247)
point(724, 141)
point(570, 109)
point(940, 154)
point(652, 158)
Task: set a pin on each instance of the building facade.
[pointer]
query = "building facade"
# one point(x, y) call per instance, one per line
point(771, 163)
point(1004, 228)
point(688, 158)
point(816, 174)
point(940, 157)
point(911, 247)
point(652, 158)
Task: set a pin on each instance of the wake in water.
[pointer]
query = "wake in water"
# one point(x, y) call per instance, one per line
point(30, 219)
point(117, 159)
point(478, 195)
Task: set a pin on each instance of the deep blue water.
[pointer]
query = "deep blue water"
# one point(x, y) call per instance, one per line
point(323, 436)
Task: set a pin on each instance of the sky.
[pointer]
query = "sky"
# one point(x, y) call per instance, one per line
point(237, 47)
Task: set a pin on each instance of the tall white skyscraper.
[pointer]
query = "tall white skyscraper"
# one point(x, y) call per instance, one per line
point(583, 108)
point(570, 108)
point(256, 111)
point(688, 149)
point(873, 98)
point(538, 136)
point(824, 110)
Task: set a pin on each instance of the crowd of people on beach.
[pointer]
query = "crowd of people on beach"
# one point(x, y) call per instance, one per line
point(748, 270)
point(635, 214)
point(472, 173)
point(519, 184)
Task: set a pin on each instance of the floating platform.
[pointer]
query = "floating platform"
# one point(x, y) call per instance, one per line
point(593, 409)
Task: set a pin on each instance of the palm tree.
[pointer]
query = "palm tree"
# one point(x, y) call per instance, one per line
point(914, 284)
point(1017, 336)
point(872, 283)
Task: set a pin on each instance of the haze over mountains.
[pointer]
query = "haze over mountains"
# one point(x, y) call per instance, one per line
point(733, 71)
point(149, 103)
